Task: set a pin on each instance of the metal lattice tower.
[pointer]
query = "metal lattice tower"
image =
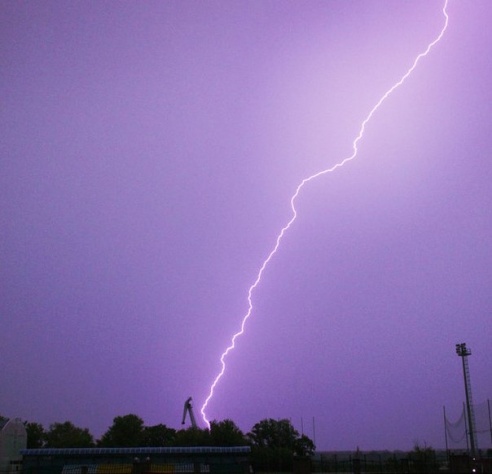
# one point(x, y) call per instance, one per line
point(464, 352)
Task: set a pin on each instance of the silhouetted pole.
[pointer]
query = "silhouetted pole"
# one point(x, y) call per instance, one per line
point(490, 419)
point(464, 352)
point(467, 438)
point(314, 433)
point(445, 430)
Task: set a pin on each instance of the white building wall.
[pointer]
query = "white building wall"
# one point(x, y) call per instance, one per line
point(13, 438)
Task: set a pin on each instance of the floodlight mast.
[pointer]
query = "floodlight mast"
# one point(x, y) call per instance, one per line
point(464, 352)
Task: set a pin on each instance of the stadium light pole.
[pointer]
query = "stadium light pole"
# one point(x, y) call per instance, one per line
point(464, 352)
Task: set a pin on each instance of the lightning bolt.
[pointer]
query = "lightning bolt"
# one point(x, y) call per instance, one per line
point(294, 211)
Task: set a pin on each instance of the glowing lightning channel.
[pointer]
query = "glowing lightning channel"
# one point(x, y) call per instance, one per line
point(294, 212)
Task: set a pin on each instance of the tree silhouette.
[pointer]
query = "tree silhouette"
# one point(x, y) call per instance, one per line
point(67, 435)
point(275, 443)
point(226, 433)
point(126, 431)
point(36, 436)
point(158, 435)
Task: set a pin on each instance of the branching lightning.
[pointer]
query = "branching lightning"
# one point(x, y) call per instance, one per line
point(294, 211)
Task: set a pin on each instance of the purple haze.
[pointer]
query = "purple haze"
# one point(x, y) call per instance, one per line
point(149, 153)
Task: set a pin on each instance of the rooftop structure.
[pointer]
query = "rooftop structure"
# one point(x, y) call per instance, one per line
point(148, 460)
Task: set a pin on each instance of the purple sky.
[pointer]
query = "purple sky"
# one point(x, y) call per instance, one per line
point(148, 155)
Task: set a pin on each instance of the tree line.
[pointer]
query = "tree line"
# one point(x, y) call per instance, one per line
point(273, 442)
